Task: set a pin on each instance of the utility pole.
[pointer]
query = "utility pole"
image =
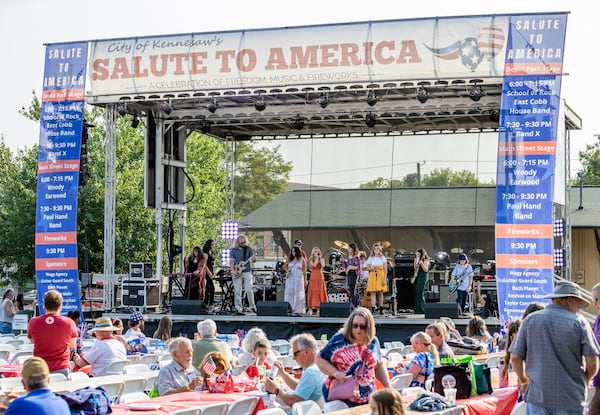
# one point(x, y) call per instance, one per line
point(419, 164)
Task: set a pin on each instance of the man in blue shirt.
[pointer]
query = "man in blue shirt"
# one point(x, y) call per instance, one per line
point(310, 385)
point(39, 399)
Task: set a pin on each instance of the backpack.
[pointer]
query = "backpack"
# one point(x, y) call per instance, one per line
point(88, 401)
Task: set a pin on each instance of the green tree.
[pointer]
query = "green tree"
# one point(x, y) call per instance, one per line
point(447, 178)
point(259, 176)
point(590, 161)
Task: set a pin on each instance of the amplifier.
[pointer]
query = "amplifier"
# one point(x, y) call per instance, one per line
point(141, 269)
point(141, 294)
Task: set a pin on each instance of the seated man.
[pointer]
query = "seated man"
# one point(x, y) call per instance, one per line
point(39, 399)
point(207, 330)
point(310, 384)
point(439, 335)
point(179, 375)
point(106, 350)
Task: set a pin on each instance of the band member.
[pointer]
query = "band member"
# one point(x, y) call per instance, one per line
point(462, 277)
point(298, 243)
point(195, 267)
point(376, 264)
point(240, 261)
point(295, 282)
point(352, 269)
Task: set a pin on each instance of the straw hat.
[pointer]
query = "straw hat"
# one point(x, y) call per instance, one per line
point(103, 324)
point(568, 289)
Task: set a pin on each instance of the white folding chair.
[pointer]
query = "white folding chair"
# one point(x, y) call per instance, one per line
point(5, 355)
point(243, 406)
point(11, 384)
point(20, 357)
point(6, 351)
point(306, 408)
point(333, 406)
point(26, 347)
point(116, 367)
point(196, 410)
point(57, 377)
point(407, 350)
point(78, 376)
point(136, 368)
point(394, 358)
point(216, 409)
point(148, 359)
point(134, 385)
point(519, 409)
point(492, 361)
point(401, 381)
point(16, 343)
point(113, 390)
point(132, 397)
point(132, 359)
point(272, 411)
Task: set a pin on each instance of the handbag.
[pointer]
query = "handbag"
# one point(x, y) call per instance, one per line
point(343, 390)
point(457, 376)
point(483, 378)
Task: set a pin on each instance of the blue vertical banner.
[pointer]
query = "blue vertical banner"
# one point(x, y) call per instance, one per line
point(61, 123)
point(526, 161)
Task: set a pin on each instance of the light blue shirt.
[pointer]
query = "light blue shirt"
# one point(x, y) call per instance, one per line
point(466, 270)
point(310, 385)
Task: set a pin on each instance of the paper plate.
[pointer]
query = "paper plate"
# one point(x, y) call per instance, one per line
point(139, 406)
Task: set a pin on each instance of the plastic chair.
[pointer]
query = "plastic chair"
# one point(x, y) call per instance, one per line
point(243, 406)
point(134, 385)
point(78, 376)
point(407, 350)
point(116, 367)
point(519, 409)
point(394, 358)
point(412, 391)
point(306, 408)
point(132, 397)
point(149, 359)
point(216, 409)
point(20, 357)
point(493, 361)
point(113, 390)
point(5, 355)
point(56, 377)
point(401, 381)
point(333, 406)
point(133, 359)
point(272, 411)
point(136, 368)
point(11, 384)
point(26, 347)
point(196, 410)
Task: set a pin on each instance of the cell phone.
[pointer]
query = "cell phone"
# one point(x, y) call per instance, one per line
point(273, 374)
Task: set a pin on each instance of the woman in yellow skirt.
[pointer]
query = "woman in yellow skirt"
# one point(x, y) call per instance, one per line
point(376, 264)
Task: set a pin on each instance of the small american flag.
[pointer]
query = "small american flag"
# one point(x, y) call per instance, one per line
point(209, 367)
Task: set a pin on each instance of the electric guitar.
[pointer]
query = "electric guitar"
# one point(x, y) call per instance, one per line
point(453, 286)
point(239, 268)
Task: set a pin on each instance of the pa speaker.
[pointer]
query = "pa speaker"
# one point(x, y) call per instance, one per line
point(272, 308)
point(437, 310)
point(334, 310)
point(188, 307)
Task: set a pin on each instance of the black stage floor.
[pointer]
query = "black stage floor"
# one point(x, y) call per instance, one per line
point(389, 327)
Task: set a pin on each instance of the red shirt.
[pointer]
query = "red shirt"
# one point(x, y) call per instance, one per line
point(51, 335)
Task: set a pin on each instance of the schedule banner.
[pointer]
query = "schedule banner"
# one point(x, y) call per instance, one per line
point(526, 162)
point(61, 123)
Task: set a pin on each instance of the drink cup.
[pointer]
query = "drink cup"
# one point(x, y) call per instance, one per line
point(450, 394)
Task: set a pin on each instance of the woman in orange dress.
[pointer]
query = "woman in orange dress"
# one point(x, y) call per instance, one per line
point(317, 293)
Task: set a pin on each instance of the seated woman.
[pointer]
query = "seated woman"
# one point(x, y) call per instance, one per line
point(425, 360)
point(477, 329)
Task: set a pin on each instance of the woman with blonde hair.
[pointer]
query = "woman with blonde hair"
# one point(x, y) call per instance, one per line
point(317, 293)
point(425, 360)
point(376, 264)
point(386, 402)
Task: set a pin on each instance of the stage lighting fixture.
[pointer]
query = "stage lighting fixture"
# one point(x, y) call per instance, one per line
point(205, 127)
point(371, 99)
point(260, 104)
point(494, 116)
point(135, 121)
point(122, 108)
point(297, 123)
point(212, 105)
point(166, 107)
point(323, 101)
point(475, 92)
point(370, 120)
point(422, 95)
point(229, 230)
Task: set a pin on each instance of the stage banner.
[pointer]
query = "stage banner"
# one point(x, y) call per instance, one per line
point(61, 123)
point(526, 161)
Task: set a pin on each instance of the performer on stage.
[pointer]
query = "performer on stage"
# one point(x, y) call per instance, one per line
point(317, 293)
point(196, 266)
point(376, 264)
point(208, 249)
point(462, 276)
point(351, 267)
point(240, 262)
point(298, 243)
point(421, 268)
point(295, 282)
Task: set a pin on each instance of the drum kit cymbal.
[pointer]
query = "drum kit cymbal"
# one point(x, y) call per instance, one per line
point(342, 244)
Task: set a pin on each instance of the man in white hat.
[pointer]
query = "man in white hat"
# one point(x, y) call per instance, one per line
point(554, 342)
point(106, 350)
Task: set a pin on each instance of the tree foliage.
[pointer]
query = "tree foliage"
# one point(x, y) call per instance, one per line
point(444, 177)
point(590, 161)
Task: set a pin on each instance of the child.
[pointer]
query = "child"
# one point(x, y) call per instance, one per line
point(386, 402)
point(261, 351)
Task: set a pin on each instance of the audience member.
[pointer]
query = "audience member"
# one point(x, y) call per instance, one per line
point(207, 330)
point(561, 354)
point(118, 333)
point(513, 328)
point(179, 375)
point(354, 351)
point(105, 351)
point(7, 311)
point(594, 406)
point(163, 331)
point(219, 360)
point(136, 326)
point(439, 335)
point(262, 349)
point(20, 302)
point(426, 358)
point(245, 357)
point(40, 400)
point(453, 333)
point(53, 336)
point(75, 315)
point(310, 385)
point(477, 329)
point(386, 402)
point(533, 307)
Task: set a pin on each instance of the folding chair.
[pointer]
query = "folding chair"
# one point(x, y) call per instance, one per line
point(243, 406)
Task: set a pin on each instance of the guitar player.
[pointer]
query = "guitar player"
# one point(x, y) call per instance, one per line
point(240, 261)
point(462, 276)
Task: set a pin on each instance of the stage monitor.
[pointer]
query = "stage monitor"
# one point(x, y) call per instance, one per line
point(273, 308)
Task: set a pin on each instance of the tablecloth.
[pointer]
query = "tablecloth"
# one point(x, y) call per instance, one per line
point(176, 401)
point(10, 371)
point(500, 402)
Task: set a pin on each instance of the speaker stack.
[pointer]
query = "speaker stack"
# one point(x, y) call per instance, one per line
point(334, 310)
point(404, 270)
point(272, 308)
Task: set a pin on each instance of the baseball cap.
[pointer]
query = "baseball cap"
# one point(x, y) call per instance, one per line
point(462, 257)
point(298, 242)
point(35, 369)
point(137, 316)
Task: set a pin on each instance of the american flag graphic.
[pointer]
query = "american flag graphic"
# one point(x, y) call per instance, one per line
point(209, 367)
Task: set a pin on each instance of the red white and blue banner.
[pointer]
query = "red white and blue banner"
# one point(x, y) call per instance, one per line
point(529, 121)
point(61, 123)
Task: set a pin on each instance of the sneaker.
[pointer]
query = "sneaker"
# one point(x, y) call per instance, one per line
point(253, 309)
point(239, 313)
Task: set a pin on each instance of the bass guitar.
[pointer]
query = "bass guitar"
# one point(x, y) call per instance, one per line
point(239, 268)
point(453, 285)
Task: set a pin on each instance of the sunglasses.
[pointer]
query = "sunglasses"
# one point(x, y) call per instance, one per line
point(359, 326)
point(298, 351)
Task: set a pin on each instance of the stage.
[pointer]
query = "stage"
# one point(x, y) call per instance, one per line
point(389, 327)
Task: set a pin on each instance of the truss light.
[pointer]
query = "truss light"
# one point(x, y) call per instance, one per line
point(370, 120)
point(297, 123)
point(229, 230)
point(323, 101)
point(212, 105)
point(122, 108)
point(135, 121)
point(260, 104)
point(166, 107)
point(475, 92)
point(371, 99)
point(494, 116)
point(422, 95)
